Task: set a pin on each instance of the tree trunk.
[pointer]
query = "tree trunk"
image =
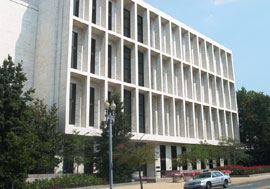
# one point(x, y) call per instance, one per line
point(140, 176)
point(12, 185)
point(77, 169)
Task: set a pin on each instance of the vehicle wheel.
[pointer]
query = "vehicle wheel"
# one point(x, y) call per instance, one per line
point(225, 184)
point(208, 185)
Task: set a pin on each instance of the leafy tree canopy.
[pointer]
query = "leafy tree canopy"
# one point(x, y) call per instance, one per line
point(254, 122)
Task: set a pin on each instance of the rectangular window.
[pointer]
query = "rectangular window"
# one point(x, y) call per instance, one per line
point(141, 114)
point(74, 50)
point(94, 11)
point(126, 23)
point(163, 159)
point(109, 95)
point(184, 149)
point(109, 61)
point(174, 157)
point(92, 107)
point(127, 65)
point(72, 103)
point(141, 68)
point(127, 106)
point(110, 16)
point(140, 29)
point(93, 55)
point(76, 7)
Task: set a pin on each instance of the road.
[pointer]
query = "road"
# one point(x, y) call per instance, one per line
point(260, 184)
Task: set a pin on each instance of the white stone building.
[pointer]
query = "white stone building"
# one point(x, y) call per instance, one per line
point(178, 85)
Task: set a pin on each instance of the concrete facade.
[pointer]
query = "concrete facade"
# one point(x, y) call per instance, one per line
point(189, 82)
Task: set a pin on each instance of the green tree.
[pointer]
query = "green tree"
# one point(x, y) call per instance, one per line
point(48, 142)
point(121, 135)
point(73, 152)
point(234, 151)
point(194, 153)
point(254, 123)
point(16, 140)
point(137, 155)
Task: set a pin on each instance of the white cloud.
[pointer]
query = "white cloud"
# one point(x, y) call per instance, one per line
point(222, 2)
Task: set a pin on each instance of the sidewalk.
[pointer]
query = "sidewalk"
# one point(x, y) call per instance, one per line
point(170, 185)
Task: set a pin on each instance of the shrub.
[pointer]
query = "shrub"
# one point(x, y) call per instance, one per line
point(241, 170)
point(65, 181)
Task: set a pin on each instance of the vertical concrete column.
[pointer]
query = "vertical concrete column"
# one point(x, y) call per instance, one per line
point(122, 17)
point(157, 162)
point(195, 134)
point(122, 58)
point(180, 44)
point(175, 133)
point(162, 115)
point(136, 116)
point(160, 33)
point(212, 124)
point(106, 55)
point(148, 28)
point(203, 123)
point(87, 99)
point(168, 158)
point(189, 46)
point(178, 153)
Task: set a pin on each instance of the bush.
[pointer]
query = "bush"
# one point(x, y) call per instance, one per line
point(65, 181)
point(241, 170)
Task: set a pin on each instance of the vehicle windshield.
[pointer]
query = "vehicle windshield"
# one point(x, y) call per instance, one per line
point(203, 175)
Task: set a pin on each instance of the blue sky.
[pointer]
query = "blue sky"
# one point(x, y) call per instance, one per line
point(241, 25)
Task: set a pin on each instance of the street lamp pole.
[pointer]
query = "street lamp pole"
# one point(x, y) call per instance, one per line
point(110, 119)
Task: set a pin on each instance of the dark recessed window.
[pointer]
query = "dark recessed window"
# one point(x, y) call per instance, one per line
point(92, 107)
point(127, 64)
point(163, 160)
point(74, 53)
point(72, 103)
point(141, 114)
point(110, 16)
point(174, 157)
point(76, 7)
point(127, 106)
point(94, 11)
point(109, 61)
point(109, 96)
point(141, 68)
point(126, 23)
point(93, 55)
point(140, 29)
point(184, 149)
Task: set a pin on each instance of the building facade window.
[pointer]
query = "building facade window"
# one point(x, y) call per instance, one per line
point(126, 23)
point(203, 166)
point(94, 11)
point(92, 107)
point(127, 106)
point(110, 16)
point(93, 55)
point(141, 113)
point(109, 61)
point(72, 103)
point(141, 68)
point(184, 149)
point(76, 7)
point(174, 157)
point(140, 28)
point(163, 160)
point(127, 65)
point(74, 54)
